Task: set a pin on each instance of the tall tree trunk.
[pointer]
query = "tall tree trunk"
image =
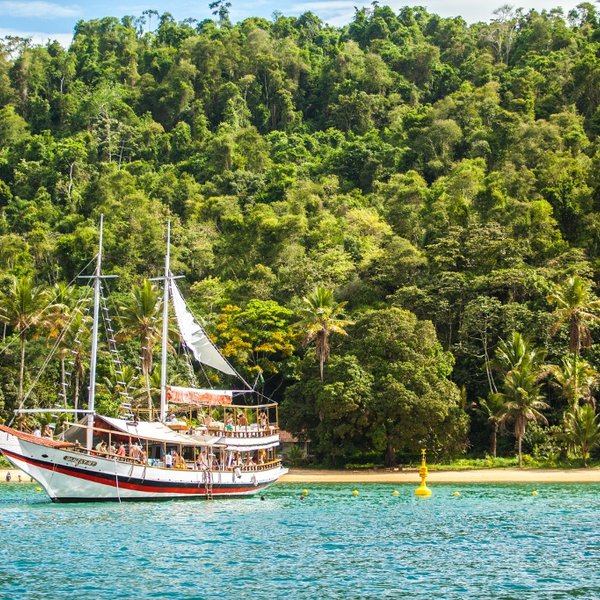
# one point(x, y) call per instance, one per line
point(146, 376)
point(150, 403)
point(576, 383)
point(494, 438)
point(390, 453)
point(519, 445)
point(22, 370)
point(63, 380)
point(146, 368)
point(76, 393)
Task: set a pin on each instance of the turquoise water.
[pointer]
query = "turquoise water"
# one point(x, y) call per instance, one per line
point(494, 541)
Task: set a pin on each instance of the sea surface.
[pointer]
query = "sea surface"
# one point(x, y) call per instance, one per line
point(492, 541)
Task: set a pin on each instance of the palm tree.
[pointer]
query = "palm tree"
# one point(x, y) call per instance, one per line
point(576, 379)
point(58, 320)
point(582, 430)
point(139, 319)
point(123, 384)
point(23, 306)
point(523, 402)
point(517, 352)
point(321, 316)
point(77, 338)
point(577, 308)
point(493, 410)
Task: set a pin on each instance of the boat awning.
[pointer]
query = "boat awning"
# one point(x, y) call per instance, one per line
point(197, 397)
point(157, 432)
point(248, 448)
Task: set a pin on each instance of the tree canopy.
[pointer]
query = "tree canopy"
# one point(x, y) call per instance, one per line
point(437, 180)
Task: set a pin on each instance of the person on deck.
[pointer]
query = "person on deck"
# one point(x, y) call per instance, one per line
point(135, 452)
point(179, 461)
point(47, 432)
point(169, 460)
point(263, 420)
point(121, 451)
point(243, 421)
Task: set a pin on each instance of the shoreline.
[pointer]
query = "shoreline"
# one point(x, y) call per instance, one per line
point(316, 476)
point(510, 475)
point(14, 476)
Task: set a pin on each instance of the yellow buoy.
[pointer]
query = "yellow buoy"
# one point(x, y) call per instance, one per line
point(305, 492)
point(395, 493)
point(38, 489)
point(534, 493)
point(457, 493)
point(355, 493)
point(423, 490)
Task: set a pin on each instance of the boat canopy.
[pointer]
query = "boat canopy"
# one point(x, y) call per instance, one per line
point(157, 432)
point(249, 448)
point(197, 397)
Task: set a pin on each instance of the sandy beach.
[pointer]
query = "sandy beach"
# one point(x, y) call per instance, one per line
point(16, 476)
point(310, 476)
point(467, 476)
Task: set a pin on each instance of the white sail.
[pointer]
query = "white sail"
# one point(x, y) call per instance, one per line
point(195, 337)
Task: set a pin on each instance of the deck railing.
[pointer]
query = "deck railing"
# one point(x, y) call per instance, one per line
point(189, 466)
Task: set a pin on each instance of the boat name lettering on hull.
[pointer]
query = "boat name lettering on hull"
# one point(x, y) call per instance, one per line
point(80, 461)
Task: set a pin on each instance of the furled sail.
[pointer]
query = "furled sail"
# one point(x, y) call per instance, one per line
point(195, 337)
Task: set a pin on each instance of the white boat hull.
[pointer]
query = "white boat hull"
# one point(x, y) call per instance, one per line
point(74, 476)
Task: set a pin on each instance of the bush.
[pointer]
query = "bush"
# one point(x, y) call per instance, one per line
point(488, 462)
point(294, 456)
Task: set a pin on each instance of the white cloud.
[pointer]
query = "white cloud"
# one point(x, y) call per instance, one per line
point(323, 6)
point(38, 9)
point(341, 12)
point(334, 12)
point(38, 37)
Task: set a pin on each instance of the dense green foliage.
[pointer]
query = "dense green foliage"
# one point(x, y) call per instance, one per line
point(441, 179)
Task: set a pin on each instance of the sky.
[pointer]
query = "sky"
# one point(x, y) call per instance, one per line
point(54, 19)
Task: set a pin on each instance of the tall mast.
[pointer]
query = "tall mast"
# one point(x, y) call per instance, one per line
point(165, 329)
point(94, 354)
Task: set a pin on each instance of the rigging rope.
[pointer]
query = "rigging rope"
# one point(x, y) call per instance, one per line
point(57, 343)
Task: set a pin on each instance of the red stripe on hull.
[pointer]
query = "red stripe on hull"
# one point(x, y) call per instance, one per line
point(123, 484)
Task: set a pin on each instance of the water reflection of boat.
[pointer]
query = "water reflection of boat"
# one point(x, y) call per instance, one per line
point(225, 449)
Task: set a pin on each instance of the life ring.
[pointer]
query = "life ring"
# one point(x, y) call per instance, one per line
point(238, 472)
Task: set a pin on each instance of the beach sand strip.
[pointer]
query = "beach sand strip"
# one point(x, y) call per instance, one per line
point(412, 476)
point(466, 476)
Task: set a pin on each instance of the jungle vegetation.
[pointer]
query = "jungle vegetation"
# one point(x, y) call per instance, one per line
point(392, 226)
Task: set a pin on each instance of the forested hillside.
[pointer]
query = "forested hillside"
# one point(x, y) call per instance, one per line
point(440, 179)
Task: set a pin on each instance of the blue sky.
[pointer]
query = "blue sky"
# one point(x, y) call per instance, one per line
point(46, 19)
